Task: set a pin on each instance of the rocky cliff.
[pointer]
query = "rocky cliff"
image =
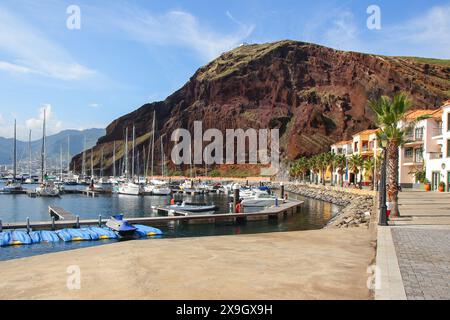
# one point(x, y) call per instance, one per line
point(315, 96)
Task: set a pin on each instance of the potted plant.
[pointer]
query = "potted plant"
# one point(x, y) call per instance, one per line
point(427, 185)
point(441, 186)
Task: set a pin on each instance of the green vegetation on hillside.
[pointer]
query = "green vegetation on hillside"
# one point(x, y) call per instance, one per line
point(439, 62)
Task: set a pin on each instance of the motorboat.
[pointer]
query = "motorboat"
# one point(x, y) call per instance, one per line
point(193, 207)
point(259, 200)
point(130, 189)
point(47, 190)
point(121, 226)
point(12, 187)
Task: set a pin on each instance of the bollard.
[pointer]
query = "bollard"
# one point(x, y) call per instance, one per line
point(99, 220)
point(282, 190)
point(53, 224)
point(235, 197)
point(77, 225)
point(28, 225)
point(1, 226)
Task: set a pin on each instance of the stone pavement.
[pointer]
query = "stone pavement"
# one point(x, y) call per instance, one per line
point(416, 249)
point(424, 259)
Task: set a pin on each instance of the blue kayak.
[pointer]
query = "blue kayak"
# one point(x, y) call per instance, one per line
point(103, 233)
point(74, 235)
point(145, 231)
point(44, 236)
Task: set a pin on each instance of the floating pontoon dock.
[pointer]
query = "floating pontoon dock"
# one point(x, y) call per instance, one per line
point(289, 207)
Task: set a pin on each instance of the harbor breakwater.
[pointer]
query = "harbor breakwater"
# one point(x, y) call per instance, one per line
point(357, 205)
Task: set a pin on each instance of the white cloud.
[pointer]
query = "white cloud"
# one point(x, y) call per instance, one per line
point(178, 28)
point(428, 33)
point(30, 52)
point(53, 125)
point(343, 33)
point(94, 105)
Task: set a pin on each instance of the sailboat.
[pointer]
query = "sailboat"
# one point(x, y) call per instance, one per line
point(128, 188)
point(14, 186)
point(46, 189)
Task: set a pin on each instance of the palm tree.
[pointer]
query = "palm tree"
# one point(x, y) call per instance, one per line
point(355, 164)
point(293, 171)
point(369, 167)
point(390, 113)
point(324, 160)
point(303, 167)
point(340, 163)
point(314, 164)
point(332, 165)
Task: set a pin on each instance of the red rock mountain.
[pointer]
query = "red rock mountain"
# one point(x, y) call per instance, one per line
point(314, 94)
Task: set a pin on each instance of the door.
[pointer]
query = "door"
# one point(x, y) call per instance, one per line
point(435, 180)
point(448, 181)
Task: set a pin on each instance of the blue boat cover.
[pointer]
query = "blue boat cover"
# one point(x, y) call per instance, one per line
point(44, 236)
point(92, 234)
point(104, 233)
point(5, 239)
point(20, 238)
point(145, 231)
point(74, 235)
point(264, 188)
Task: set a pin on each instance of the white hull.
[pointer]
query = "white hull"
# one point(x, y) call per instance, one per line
point(130, 189)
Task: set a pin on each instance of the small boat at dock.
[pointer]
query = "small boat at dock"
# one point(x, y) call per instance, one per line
point(193, 207)
point(121, 226)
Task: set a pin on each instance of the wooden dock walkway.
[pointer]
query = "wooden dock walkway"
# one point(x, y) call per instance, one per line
point(290, 207)
point(60, 213)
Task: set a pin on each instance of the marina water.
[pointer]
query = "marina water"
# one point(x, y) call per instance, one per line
point(313, 214)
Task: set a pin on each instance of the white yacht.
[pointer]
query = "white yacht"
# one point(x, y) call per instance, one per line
point(130, 189)
point(259, 200)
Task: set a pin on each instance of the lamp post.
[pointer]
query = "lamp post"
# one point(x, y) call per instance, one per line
point(383, 207)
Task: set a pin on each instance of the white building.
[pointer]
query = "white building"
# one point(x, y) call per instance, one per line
point(420, 148)
point(438, 162)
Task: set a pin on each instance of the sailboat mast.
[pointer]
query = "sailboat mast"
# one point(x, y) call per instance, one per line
point(114, 159)
point(68, 154)
point(83, 169)
point(133, 153)
point(92, 163)
point(43, 150)
point(126, 153)
point(101, 164)
point(153, 141)
point(60, 163)
point(29, 153)
point(162, 156)
point(15, 153)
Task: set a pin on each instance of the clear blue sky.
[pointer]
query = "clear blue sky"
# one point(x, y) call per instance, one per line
point(128, 53)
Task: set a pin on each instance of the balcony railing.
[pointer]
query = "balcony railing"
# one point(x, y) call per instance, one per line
point(414, 138)
point(436, 155)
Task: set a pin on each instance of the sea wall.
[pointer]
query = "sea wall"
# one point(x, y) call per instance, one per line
point(358, 205)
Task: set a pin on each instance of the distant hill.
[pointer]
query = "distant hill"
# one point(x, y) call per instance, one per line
point(54, 143)
point(314, 95)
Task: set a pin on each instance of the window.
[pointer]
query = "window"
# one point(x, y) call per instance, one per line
point(356, 146)
point(418, 134)
point(448, 121)
point(418, 155)
point(409, 153)
point(448, 148)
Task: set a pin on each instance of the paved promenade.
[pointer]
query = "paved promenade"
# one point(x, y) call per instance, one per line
point(418, 246)
point(322, 264)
